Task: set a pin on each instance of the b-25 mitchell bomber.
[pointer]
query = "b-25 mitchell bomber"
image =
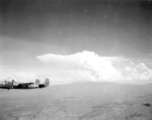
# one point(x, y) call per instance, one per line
point(29, 85)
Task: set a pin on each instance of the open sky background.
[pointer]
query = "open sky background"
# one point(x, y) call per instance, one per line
point(77, 35)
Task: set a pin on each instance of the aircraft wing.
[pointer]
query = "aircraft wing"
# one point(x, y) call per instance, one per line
point(30, 83)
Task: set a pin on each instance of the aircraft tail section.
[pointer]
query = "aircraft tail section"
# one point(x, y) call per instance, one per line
point(37, 82)
point(46, 82)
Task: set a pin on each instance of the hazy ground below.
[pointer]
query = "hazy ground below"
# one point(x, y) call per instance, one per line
point(78, 101)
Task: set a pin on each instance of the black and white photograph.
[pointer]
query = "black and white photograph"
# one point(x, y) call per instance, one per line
point(75, 60)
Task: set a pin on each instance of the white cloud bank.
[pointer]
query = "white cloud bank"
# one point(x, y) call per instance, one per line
point(85, 66)
point(101, 66)
point(98, 68)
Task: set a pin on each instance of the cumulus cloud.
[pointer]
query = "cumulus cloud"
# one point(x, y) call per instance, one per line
point(101, 66)
point(97, 68)
point(84, 66)
point(138, 72)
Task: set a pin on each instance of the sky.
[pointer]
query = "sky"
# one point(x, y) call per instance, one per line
point(75, 39)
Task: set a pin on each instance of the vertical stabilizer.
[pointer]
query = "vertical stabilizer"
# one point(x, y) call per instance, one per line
point(46, 82)
point(37, 82)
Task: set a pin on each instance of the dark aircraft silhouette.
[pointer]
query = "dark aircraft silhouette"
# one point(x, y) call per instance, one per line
point(30, 85)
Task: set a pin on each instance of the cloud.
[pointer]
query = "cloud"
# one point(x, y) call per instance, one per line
point(138, 72)
point(101, 67)
point(84, 66)
point(97, 68)
point(85, 60)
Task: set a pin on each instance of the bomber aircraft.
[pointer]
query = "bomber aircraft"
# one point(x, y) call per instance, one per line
point(29, 85)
